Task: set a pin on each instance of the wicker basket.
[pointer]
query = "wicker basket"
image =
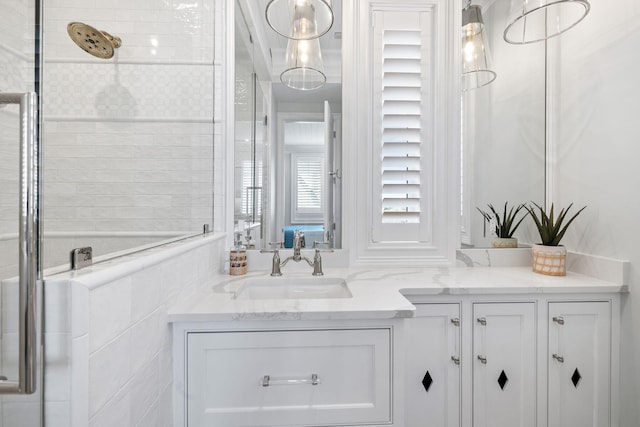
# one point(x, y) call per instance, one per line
point(549, 260)
point(237, 262)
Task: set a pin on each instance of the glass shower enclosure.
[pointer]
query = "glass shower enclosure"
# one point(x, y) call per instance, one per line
point(126, 138)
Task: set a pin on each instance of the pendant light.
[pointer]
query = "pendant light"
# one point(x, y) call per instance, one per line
point(476, 60)
point(304, 67)
point(532, 21)
point(300, 19)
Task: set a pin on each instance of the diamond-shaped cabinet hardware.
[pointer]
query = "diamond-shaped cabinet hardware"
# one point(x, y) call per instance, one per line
point(426, 381)
point(576, 377)
point(502, 380)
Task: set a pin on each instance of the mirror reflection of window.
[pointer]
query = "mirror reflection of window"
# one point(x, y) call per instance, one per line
point(308, 194)
point(304, 146)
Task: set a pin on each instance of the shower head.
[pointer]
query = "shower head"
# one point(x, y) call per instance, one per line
point(98, 43)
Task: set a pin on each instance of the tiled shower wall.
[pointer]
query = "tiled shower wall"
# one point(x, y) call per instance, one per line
point(128, 141)
point(109, 346)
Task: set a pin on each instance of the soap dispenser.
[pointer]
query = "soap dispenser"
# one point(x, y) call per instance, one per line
point(238, 257)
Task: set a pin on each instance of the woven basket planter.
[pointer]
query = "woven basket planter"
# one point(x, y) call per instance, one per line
point(549, 260)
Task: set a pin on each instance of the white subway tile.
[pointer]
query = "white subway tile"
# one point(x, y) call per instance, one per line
point(109, 370)
point(109, 312)
point(56, 414)
point(9, 313)
point(146, 338)
point(144, 390)
point(146, 292)
point(57, 297)
point(80, 381)
point(150, 419)
point(21, 414)
point(57, 375)
point(116, 413)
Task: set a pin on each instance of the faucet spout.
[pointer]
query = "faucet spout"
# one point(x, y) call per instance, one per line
point(298, 243)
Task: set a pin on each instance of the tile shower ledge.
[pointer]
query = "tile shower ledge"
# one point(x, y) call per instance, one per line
point(379, 293)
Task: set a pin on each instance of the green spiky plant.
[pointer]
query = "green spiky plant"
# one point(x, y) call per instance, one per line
point(550, 228)
point(504, 224)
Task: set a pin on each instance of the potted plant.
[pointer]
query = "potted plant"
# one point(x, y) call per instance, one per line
point(504, 225)
point(549, 257)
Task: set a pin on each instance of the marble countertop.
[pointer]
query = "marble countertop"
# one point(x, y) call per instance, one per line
point(379, 293)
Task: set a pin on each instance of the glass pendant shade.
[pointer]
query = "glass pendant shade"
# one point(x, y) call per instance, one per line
point(304, 68)
point(476, 60)
point(300, 19)
point(532, 21)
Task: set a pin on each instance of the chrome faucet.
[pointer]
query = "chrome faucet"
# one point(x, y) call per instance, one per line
point(298, 243)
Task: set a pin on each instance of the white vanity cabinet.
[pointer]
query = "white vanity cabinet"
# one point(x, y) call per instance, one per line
point(579, 364)
point(245, 375)
point(525, 361)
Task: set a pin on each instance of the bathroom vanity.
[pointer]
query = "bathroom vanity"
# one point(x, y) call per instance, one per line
point(413, 347)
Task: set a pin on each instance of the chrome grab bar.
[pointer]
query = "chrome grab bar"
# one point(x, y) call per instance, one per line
point(29, 236)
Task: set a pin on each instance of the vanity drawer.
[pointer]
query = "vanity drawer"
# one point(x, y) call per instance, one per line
point(289, 378)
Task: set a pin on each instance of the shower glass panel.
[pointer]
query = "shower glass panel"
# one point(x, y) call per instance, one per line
point(18, 71)
point(128, 139)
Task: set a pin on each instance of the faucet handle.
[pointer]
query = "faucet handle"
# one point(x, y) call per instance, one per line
point(275, 263)
point(278, 245)
point(316, 244)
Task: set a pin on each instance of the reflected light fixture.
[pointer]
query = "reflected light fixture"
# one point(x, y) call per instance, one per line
point(304, 68)
point(476, 60)
point(300, 19)
point(532, 21)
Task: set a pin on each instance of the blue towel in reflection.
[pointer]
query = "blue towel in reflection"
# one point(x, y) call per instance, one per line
point(312, 233)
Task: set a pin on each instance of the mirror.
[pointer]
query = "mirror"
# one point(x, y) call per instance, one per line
point(503, 132)
point(287, 148)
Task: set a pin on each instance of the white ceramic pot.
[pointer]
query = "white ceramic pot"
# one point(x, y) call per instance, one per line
point(504, 242)
point(549, 260)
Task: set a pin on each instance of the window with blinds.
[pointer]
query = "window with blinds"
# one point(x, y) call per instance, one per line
point(403, 138)
point(308, 182)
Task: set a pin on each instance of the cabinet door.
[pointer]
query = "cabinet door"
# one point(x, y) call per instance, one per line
point(504, 365)
point(579, 364)
point(433, 371)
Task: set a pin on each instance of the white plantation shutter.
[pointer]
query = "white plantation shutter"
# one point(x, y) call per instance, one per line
point(308, 181)
point(403, 134)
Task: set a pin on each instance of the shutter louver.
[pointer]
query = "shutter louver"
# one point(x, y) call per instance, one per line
point(401, 126)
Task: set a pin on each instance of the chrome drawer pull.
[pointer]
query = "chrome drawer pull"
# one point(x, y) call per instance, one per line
point(482, 321)
point(455, 321)
point(559, 320)
point(558, 358)
point(455, 359)
point(267, 380)
point(482, 359)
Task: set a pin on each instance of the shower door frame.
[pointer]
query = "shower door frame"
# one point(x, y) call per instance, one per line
point(30, 303)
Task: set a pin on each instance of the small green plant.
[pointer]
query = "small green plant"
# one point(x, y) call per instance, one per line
point(504, 224)
point(550, 228)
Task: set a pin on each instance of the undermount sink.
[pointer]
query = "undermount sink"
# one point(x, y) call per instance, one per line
point(293, 288)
